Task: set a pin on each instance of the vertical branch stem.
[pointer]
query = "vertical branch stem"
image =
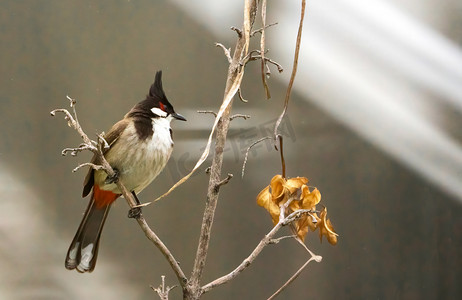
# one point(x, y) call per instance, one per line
point(262, 49)
point(281, 151)
point(235, 74)
point(294, 70)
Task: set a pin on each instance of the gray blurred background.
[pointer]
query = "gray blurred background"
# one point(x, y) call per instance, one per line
point(374, 122)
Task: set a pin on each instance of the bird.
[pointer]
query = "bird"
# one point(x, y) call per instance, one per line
point(139, 147)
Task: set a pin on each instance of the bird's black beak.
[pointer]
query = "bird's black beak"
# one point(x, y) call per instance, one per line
point(178, 117)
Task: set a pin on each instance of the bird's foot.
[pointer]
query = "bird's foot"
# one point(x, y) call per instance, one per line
point(134, 212)
point(114, 178)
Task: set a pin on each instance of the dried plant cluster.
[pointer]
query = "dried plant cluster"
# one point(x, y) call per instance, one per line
point(286, 196)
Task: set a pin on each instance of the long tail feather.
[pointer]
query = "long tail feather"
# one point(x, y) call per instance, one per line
point(83, 250)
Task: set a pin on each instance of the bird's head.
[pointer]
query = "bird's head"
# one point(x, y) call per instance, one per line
point(158, 102)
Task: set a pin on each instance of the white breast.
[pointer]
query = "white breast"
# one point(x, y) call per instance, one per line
point(139, 161)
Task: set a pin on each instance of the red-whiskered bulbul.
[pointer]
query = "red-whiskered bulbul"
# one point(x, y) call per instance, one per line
point(140, 146)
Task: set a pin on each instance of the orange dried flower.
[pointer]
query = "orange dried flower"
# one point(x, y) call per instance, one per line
point(274, 196)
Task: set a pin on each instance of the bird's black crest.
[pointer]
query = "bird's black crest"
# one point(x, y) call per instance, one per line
point(156, 90)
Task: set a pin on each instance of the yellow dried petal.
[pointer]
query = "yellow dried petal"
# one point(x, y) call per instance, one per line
point(326, 228)
point(301, 227)
point(331, 236)
point(309, 199)
point(278, 191)
point(293, 184)
point(264, 199)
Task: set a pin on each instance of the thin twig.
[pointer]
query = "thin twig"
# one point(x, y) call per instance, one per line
point(245, 117)
point(316, 258)
point(292, 278)
point(295, 215)
point(262, 50)
point(87, 164)
point(276, 241)
point(265, 241)
point(224, 181)
point(251, 57)
point(162, 291)
point(103, 141)
point(72, 105)
point(238, 31)
point(267, 60)
point(261, 29)
point(278, 65)
point(245, 263)
point(207, 112)
point(247, 152)
point(283, 208)
point(294, 71)
point(241, 97)
point(74, 151)
point(226, 50)
point(281, 151)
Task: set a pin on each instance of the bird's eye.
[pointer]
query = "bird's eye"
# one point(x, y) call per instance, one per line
point(162, 106)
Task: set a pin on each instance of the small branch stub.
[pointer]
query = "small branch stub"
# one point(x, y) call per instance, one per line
point(224, 181)
point(239, 92)
point(227, 52)
point(162, 291)
point(237, 30)
point(207, 112)
point(245, 117)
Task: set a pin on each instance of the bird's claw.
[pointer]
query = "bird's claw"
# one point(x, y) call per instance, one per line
point(114, 178)
point(134, 212)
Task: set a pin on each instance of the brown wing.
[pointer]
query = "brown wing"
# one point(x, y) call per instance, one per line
point(111, 137)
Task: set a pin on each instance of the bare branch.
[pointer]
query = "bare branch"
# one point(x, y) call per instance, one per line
point(247, 152)
point(207, 112)
point(281, 151)
point(278, 65)
point(102, 141)
point(163, 290)
point(292, 278)
point(245, 117)
point(235, 74)
point(316, 258)
point(276, 241)
point(267, 60)
point(262, 49)
point(226, 50)
point(240, 96)
point(238, 31)
point(294, 71)
point(80, 148)
point(224, 181)
point(295, 215)
point(261, 29)
point(93, 166)
point(265, 241)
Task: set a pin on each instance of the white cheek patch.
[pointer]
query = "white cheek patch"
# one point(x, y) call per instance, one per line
point(159, 112)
